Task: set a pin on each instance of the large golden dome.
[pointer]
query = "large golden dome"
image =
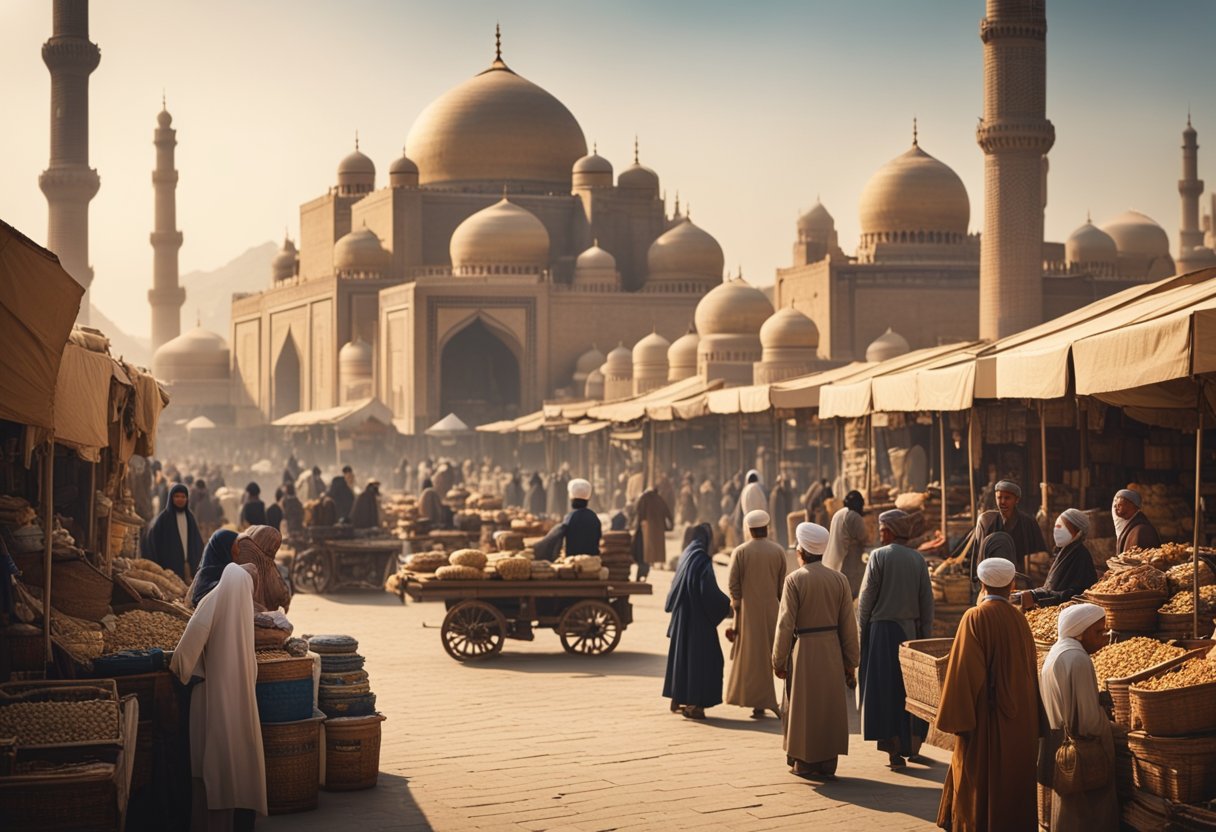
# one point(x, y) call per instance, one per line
point(916, 196)
point(497, 128)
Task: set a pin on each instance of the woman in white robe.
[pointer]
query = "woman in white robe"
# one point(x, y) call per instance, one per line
point(226, 757)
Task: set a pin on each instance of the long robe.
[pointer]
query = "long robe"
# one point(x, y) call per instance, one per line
point(846, 542)
point(344, 499)
point(430, 507)
point(1139, 533)
point(694, 654)
point(757, 572)
point(1024, 529)
point(1072, 572)
point(751, 498)
point(556, 493)
point(653, 517)
point(163, 543)
point(780, 504)
point(990, 701)
point(686, 505)
point(1070, 694)
point(366, 513)
point(225, 735)
point(817, 717)
point(708, 504)
point(583, 530)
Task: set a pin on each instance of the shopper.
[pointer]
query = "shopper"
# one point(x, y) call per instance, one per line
point(847, 540)
point(757, 571)
point(174, 540)
point(693, 681)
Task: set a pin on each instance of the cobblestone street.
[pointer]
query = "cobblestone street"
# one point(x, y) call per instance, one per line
point(536, 739)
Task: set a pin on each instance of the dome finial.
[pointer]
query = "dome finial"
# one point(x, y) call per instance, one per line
point(198, 318)
point(635, 148)
point(504, 190)
point(165, 106)
point(356, 138)
point(677, 208)
point(595, 148)
point(1089, 220)
point(498, 42)
point(915, 133)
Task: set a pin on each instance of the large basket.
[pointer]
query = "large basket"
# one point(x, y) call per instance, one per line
point(1179, 625)
point(1119, 687)
point(1180, 769)
point(67, 691)
point(352, 752)
point(954, 589)
point(293, 765)
point(58, 803)
point(282, 670)
point(78, 588)
point(923, 663)
point(285, 701)
point(1178, 712)
point(1132, 612)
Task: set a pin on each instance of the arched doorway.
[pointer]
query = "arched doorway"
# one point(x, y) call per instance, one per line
point(478, 376)
point(287, 380)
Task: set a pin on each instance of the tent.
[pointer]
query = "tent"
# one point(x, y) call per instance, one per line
point(345, 417)
point(199, 423)
point(448, 427)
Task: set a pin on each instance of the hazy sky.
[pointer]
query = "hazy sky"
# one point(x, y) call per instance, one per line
point(748, 109)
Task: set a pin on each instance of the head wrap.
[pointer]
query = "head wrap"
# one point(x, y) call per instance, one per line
point(258, 540)
point(812, 538)
point(898, 522)
point(996, 572)
point(1079, 618)
point(756, 519)
point(216, 556)
point(854, 501)
point(753, 475)
point(1076, 519)
point(1010, 486)
point(1131, 496)
point(998, 545)
point(178, 488)
point(579, 489)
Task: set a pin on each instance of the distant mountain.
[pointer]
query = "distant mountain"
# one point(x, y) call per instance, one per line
point(209, 294)
point(132, 348)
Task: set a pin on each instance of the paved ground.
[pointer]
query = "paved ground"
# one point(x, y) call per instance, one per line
point(539, 740)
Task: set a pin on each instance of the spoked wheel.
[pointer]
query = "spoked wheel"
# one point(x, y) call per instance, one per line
point(590, 628)
point(473, 630)
point(311, 571)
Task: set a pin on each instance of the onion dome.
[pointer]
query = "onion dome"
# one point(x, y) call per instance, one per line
point(596, 266)
point(817, 223)
point(592, 171)
point(403, 173)
point(503, 234)
point(284, 264)
point(593, 388)
point(197, 355)
point(1090, 244)
point(618, 363)
point(916, 197)
point(734, 307)
point(1137, 233)
point(355, 358)
point(685, 250)
point(589, 361)
point(360, 252)
point(887, 345)
point(497, 127)
point(650, 351)
point(638, 178)
point(682, 356)
point(789, 329)
point(163, 119)
point(356, 173)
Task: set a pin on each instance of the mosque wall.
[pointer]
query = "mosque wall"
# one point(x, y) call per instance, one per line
point(247, 354)
point(322, 222)
point(323, 356)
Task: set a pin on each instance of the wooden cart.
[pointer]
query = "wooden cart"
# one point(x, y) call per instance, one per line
point(356, 563)
point(588, 616)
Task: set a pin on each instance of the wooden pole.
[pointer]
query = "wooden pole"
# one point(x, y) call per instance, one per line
point(971, 462)
point(869, 454)
point(818, 454)
point(1083, 425)
point(941, 442)
point(48, 525)
point(1046, 509)
point(1198, 513)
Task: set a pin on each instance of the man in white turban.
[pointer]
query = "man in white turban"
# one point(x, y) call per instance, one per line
point(816, 653)
point(582, 525)
point(990, 702)
point(1072, 570)
point(757, 570)
point(1070, 698)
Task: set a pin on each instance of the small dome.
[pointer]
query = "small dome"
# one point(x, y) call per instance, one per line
point(589, 361)
point(595, 259)
point(1090, 244)
point(913, 193)
point(360, 251)
point(651, 350)
point(817, 222)
point(196, 355)
point(403, 173)
point(685, 250)
point(734, 307)
point(357, 162)
point(355, 356)
point(284, 264)
point(163, 119)
point(502, 234)
point(593, 388)
point(788, 328)
point(618, 363)
point(682, 356)
point(593, 163)
point(1137, 233)
point(637, 177)
point(887, 345)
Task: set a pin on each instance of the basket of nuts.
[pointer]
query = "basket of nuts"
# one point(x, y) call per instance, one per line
point(1119, 666)
point(1177, 702)
point(41, 714)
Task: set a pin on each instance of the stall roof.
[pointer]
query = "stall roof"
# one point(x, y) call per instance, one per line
point(523, 424)
point(803, 391)
point(84, 407)
point(450, 425)
point(852, 395)
point(345, 417)
point(631, 409)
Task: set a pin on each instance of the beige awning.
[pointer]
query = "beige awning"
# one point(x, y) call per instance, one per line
point(631, 409)
point(754, 398)
point(803, 391)
point(83, 411)
point(345, 417)
point(945, 383)
point(523, 424)
point(583, 428)
point(852, 396)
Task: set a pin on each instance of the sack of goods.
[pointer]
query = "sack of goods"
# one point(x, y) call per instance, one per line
point(514, 568)
point(616, 553)
point(426, 561)
point(468, 557)
point(460, 573)
point(542, 570)
point(345, 689)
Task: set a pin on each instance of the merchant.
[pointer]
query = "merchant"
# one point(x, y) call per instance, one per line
point(896, 605)
point(847, 540)
point(693, 681)
point(535, 499)
point(253, 510)
point(366, 513)
point(344, 499)
point(226, 756)
point(1133, 530)
point(1008, 518)
point(218, 554)
point(990, 702)
point(757, 571)
point(583, 530)
point(1070, 698)
point(174, 540)
point(815, 651)
point(431, 507)
point(1072, 571)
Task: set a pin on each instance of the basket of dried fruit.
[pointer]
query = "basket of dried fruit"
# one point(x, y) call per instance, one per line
point(1119, 666)
point(1176, 768)
point(1177, 702)
point(1130, 598)
point(1176, 618)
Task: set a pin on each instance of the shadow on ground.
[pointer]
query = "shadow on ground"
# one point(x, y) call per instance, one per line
point(390, 805)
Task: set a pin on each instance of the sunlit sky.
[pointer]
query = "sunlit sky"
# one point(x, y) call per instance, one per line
point(749, 110)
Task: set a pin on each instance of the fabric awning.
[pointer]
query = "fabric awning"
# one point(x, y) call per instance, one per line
point(852, 396)
point(753, 398)
point(448, 426)
point(631, 409)
point(945, 383)
point(344, 417)
point(583, 428)
point(803, 392)
point(84, 407)
point(523, 424)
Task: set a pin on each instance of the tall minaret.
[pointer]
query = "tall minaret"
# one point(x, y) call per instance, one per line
point(166, 297)
point(68, 182)
point(1190, 186)
point(1015, 136)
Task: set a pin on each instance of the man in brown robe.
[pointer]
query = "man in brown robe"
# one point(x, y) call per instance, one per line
point(654, 520)
point(990, 701)
point(757, 570)
point(816, 652)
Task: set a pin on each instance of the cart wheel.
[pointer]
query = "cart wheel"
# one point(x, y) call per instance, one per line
point(310, 571)
point(473, 630)
point(590, 628)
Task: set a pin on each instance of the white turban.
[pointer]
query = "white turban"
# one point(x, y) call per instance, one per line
point(812, 538)
point(579, 489)
point(756, 519)
point(1077, 619)
point(1078, 519)
point(996, 572)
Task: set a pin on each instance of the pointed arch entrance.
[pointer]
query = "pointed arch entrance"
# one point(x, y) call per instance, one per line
point(287, 379)
point(479, 376)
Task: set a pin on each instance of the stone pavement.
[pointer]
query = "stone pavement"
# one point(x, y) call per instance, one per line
point(536, 739)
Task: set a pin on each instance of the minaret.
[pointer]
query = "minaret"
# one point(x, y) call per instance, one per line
point(68, 182)
point(1190, 186)
point(1015, 136)
point(166, 297)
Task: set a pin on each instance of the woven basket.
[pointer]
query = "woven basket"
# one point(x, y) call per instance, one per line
point(1178, 625)
point(78, 588)
point(468, 557)
point(51, 803)
point(293, 765)
point(1133, 612)
point(67, 691)
point(282, 670)
point(352, 752)
point(1119, 687)
point(1181, 769)
point(923, 663)
point(1179, 712)
point(289, 700)
point(955, 589)
point(362, 705)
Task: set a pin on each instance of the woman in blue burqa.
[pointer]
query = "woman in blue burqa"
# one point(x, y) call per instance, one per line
point(697, 606)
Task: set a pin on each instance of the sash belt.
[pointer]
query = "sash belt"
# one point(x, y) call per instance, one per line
point(806, 631)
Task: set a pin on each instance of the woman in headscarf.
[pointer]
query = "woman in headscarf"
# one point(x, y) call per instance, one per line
point(253, 510)
point(257, 546)
point(430, 505)
point(217, 555)
point(174, 540)
point(693, 680)
point(226, 757)
point(536, 501)
point(344, 499)
point(366, 514)
point(1072, 571)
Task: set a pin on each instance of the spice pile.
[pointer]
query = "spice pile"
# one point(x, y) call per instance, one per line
point(1044, 621)
point(1118, 661)
point(1181, 577)
point(1164, 556)
point(143, 630)
point(1197, 671)
point(1184, 602)
point(1138, 579)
